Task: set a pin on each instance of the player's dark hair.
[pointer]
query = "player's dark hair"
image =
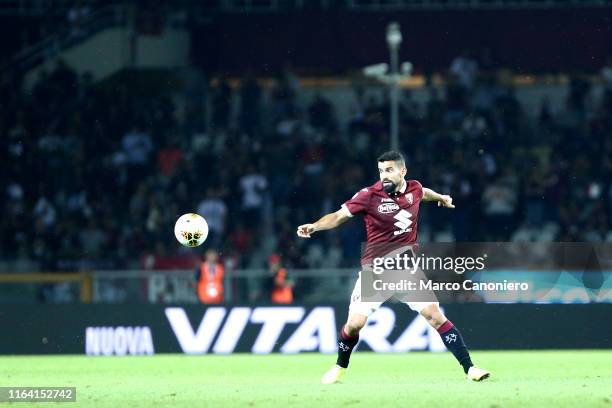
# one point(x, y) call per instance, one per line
point(392, 155)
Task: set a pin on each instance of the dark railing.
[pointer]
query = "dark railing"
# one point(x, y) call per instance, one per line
point(67, 36)
point(41, 8)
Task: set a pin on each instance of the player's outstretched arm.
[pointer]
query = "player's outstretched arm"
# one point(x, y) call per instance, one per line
point(329, 221)
point(443, 200)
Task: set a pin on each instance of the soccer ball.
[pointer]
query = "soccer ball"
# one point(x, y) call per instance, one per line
point(191, 230)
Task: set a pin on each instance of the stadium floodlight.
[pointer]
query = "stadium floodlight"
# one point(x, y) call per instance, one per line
point(378, 71)
point(394, 36)
point(394, 39)
point(391, 74)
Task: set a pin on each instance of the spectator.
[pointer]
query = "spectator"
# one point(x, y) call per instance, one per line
point(92, 239)
point(253, 186)
point(137, 146)
point(170, 157)
point(499, 201)
point(321, 113)
point(534, 200)
point(606, 73)
point(44, 211)
point(209, 278)
point(222, 104)
point(77, 14)
point(280, 286)
point(214, 211)
point(465, 68)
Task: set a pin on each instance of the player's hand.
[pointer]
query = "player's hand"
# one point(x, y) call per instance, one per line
point(305, 230)
point(446, 201)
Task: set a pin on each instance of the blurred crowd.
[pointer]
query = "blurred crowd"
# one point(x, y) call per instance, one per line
point(99, 175)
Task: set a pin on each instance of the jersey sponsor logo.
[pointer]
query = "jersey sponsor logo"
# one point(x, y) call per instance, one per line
point(387, 208)
point(386, 200)
point(403, 222)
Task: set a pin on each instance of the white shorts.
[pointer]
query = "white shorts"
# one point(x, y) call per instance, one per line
point(367, 308)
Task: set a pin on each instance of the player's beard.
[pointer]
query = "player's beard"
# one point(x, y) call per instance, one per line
point(389, 186)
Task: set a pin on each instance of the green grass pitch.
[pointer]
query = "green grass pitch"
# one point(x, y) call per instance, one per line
point(520, 379)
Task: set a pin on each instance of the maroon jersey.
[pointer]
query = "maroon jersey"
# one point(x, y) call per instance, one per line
point(389, 219)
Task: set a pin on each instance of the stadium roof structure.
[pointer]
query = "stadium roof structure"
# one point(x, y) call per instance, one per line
point(56, 7)
point(470, 4)
point(388, 5)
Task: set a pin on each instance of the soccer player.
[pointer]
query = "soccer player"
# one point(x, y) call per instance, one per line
point(397, 224)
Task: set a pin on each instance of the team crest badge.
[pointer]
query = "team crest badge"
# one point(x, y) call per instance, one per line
point(410, 198)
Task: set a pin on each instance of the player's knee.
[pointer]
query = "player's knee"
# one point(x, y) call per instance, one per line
point(354, 324)
point(434, 316)
point(352, 329)
point(436, 321)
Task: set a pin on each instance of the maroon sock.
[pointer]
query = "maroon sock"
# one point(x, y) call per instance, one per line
point(346, 344)
point(452, 339)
